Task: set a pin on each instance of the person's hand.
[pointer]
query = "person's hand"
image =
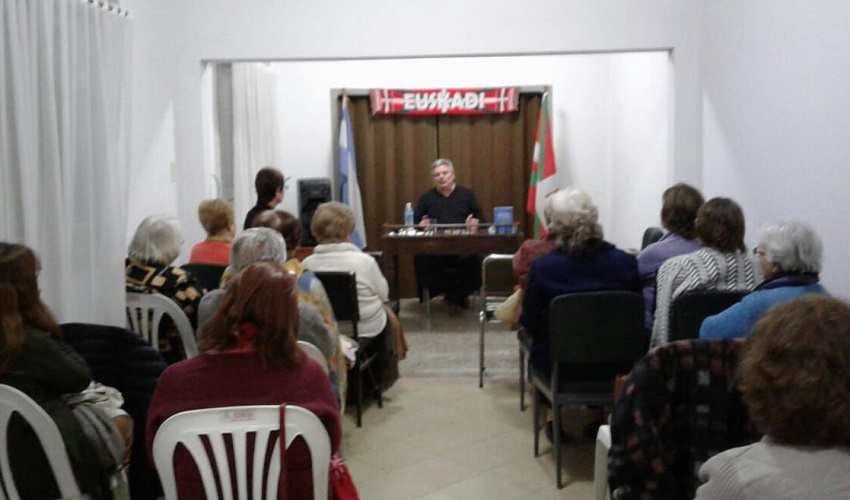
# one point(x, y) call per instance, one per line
point(425, 220)
point(472, 223)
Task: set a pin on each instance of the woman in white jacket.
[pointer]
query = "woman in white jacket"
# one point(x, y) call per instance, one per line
point(332, 226)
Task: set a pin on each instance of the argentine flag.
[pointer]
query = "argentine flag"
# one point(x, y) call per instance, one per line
point(348, 187)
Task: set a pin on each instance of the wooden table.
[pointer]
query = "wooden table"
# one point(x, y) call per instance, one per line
point(479, 243)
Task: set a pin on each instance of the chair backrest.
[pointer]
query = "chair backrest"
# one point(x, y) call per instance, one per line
point(220, 426)
point(597, 327)
point(341, 287)
point(691, 308)
point(208, 276)
point(144, 313)
point(14, 401)
point(497, 280)
point(650, 236)
point(315, 354)
point(679, 407)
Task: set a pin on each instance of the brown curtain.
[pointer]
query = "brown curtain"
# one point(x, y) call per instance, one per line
point(491, 154)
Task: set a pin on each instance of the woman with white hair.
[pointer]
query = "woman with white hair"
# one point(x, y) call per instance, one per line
point(790, 255)
point(581, 262)
point(148, 269)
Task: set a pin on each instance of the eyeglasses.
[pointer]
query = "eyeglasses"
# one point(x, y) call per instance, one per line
point(758, 252)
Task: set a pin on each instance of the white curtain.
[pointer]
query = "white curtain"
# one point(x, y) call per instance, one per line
point(256, 131)
point(64, 121)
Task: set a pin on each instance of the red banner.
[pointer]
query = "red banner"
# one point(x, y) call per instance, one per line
point(445, 101)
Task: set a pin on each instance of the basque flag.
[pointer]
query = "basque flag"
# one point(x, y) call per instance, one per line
point(349, 188)
point(543, 170)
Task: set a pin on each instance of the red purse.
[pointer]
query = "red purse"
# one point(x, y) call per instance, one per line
point(342, 486)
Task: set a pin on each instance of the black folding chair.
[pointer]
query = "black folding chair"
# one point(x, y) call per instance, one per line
point(208, 276)
point(594, 337)
point(341, 287)
point(691, 308)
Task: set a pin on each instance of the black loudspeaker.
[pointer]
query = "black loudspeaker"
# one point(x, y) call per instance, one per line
point(311, 194)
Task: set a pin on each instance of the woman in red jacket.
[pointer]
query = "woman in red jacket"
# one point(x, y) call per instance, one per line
point(250, 358)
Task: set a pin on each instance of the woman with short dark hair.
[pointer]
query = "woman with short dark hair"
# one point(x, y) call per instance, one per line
point(796, 386)
point(680, 204)
point(721, 264)
point(250, 357)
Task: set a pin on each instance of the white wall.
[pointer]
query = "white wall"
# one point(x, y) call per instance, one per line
point(601, 102)
point(153, 189)
point(193, 31)
point(777, 112)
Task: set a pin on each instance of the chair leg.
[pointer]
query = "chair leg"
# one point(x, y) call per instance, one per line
point(482, 318)
point(556, 423)
point(536, 403)
point(522, 367)
point(359, 393)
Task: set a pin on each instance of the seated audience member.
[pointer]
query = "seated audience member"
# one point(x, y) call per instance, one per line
point(721, 264)
point(532, 249)
point(456, 276)
point(250, 357)
point(269, 184)
point(678, 217)
point(795, 383)
point(332, 226)
point(35, 360)
point(310, 289)
point(266, 245)
point(582, 262)
point(217, 218)
point(790, 258)
point(154, 247)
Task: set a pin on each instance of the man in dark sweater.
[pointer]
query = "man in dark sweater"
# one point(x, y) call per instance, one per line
point(455, 275)
point(269, 184)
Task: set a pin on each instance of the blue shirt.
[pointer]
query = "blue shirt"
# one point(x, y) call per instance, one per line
point(738, 320)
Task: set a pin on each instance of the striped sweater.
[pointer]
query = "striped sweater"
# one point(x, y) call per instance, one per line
point(705, 269)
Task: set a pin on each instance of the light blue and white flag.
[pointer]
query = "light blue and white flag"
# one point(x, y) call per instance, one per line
point(349, 188)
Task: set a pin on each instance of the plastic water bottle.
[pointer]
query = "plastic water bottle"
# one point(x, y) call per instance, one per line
point(408, 214)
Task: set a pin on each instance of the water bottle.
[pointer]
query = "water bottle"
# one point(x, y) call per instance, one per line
point(408, 214)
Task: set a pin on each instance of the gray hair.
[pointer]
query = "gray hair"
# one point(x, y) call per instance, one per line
point(439, 162)
point(794, 245)
point(573, 219)
point(157, 240)
point(258, 244)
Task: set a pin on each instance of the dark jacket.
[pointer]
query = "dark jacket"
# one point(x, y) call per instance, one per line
point(121, 359)
point(45, 370)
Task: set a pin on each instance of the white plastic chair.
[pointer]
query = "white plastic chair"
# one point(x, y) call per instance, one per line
point(600, 463)
point(315, 354)
point(186, 428)
point(14, 401)
point(145, 311)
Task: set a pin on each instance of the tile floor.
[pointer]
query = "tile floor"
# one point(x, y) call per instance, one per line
point(439, 436)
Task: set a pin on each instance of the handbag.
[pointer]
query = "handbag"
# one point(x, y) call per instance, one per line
point(506, 312)
point(342, 485)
